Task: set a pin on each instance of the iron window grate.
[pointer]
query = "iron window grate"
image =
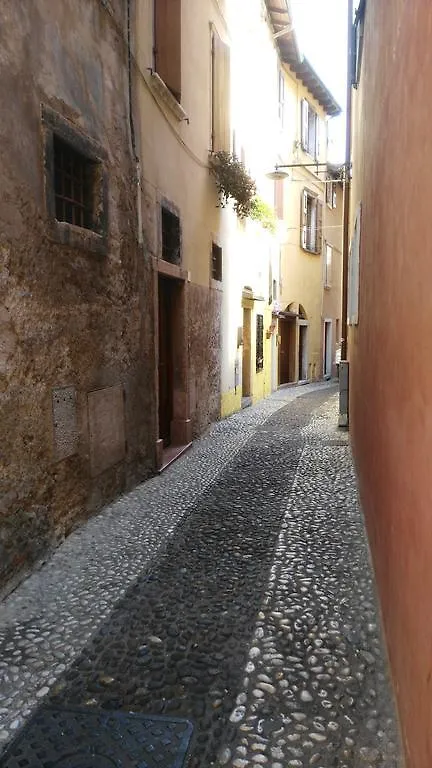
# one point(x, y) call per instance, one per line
point(259, 342)
point(171, 241)
point(216, 263)
point(73, 185)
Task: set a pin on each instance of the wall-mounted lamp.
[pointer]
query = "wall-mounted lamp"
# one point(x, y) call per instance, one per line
point(278, 174)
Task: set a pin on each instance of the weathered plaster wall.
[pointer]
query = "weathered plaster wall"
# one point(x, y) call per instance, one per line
point(390, 351)
point(68, 317)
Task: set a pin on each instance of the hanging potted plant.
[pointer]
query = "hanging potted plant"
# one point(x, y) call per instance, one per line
point(233, 182)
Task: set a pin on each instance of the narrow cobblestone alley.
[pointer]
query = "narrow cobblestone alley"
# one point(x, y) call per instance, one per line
point(234, 590)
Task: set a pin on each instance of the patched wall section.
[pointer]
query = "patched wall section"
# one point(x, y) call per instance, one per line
point(65, 423)
point(106, 428)
point(205, 306)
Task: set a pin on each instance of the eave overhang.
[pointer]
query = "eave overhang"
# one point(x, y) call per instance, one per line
point(281, 19)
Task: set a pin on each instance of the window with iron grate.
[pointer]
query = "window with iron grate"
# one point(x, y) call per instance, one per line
point(74, 183)
point(259, 342)
point(216, 262)
point(171, 237)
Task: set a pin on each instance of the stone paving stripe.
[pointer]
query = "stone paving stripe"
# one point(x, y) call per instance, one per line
point(47, 621)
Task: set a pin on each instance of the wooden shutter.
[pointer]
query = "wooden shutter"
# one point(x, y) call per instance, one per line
point(304, 124)
point(328, 194)
point(281, 91)
point(317, 147)
point(167, 43)
point(319, 232)
point(354, 271)
point(303, 219)
point(328, 258)
point(270, 283)
point(279, 198)
point(221, 132)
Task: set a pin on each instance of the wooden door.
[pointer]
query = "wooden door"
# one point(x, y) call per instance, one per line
point(165, 360)
point(247, 349)
point(327, 348)
point(284, 352)
point(302, 350)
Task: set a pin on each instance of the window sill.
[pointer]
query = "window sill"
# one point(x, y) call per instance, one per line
point(309, 250)
point(163, 92)
point(78, 237)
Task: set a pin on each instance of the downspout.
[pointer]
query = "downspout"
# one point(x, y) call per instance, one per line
point(132, 126)
point(344, 364)
point(347, 186)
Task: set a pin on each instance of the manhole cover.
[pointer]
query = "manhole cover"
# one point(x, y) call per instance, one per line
point(80, 738)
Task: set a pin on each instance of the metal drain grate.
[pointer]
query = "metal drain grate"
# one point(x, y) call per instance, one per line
point(80, 738)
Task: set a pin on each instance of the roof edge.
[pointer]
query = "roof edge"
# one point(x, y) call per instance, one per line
point(291, 55)
point(332, 107)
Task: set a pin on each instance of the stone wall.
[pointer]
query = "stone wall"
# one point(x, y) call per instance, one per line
point(76, 309)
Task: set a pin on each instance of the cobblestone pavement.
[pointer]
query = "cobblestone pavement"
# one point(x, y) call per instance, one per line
point(234, 590)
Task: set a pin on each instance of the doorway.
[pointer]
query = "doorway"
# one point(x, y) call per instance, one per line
point(287, 343)
point(247, 348)
point(166, 359)
point(302, 352)
point(327, 351)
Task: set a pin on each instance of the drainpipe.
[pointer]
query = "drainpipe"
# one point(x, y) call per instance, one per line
point(344, 365)
point(132, 126)
point(347, 186)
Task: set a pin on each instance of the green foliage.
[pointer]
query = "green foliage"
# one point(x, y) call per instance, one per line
point(264, 213)
point(233, 182)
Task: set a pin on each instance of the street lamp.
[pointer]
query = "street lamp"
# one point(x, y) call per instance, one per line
point(278, 174)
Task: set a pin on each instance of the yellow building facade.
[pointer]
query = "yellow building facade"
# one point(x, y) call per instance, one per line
point(332, 273)
point(306, 337)
point(208, 77)
point(252, 249)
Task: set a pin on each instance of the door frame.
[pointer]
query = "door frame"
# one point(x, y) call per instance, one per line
point(246, 391)
point(181, 426)
point(327, 348)
point(290, 328)
point(303, 324)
